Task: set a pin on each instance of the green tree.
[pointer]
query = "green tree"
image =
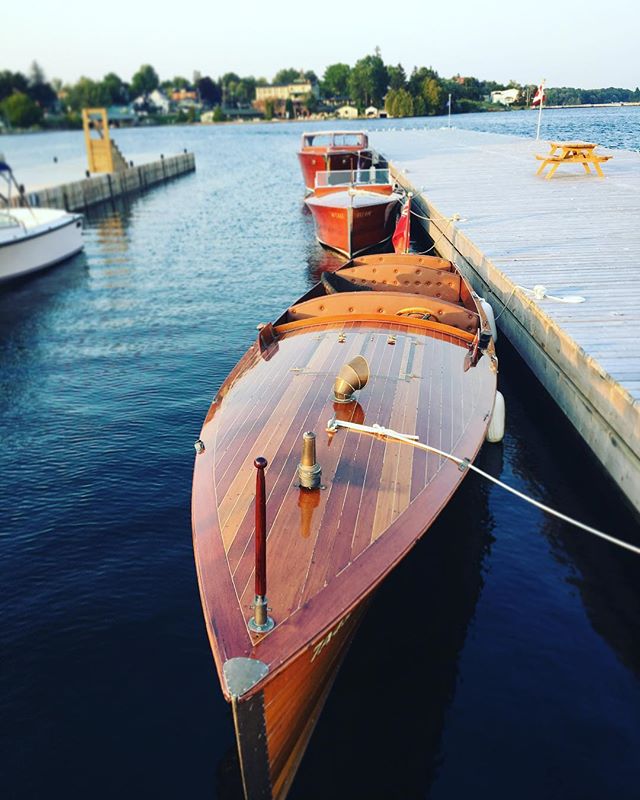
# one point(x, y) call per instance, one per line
point(464, 88)
point(432, 94)
point(390, 102)
point(368, 81)
point(218, 114)
point(11, 82)
point(245, 90)
point(228, 83)
point(144, 81)
point(36, 73)
point(86, 93)
point(399, 103)
point(39, 89)
point(288, 75)
point(268, 109)
point(419, 106)
point(227, 78)
point(114, 90)
point(209, 91)
point(418, 76)
point(335, 80)
point(20, 111)
point(397, 77)
point(289, 109)
point(180, 83)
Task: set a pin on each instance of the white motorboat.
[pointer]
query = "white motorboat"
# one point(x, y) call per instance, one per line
point(33, 238)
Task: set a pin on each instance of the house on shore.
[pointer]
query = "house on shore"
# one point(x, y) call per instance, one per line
point(280, 94)
point(505, 97)
point(155, 99)
point(375, 113)
point(347, 112)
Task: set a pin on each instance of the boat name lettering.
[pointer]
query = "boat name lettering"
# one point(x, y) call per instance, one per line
point(325, 641)
point(337, 214)
point(364, 213)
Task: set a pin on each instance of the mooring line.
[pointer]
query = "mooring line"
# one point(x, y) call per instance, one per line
point(464, 463)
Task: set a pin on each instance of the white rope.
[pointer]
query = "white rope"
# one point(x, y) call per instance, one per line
point(504, 307)
point(464, 463)
point(539, 292)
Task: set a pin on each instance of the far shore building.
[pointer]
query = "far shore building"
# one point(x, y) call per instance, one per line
point(121, 115)
point(375, 113)
point(347, 112)
point(279, 93)
point(156, 98)
point(180, 95)
point(505, 97)
point(237, 114)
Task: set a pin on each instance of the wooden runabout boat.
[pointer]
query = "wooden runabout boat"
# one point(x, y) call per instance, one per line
point(312, 471)
point(323, 151)
point(354, 210)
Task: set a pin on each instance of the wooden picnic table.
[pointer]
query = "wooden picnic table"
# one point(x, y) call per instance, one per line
point(571, 153)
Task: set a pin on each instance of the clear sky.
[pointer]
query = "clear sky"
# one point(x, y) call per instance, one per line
point(584, 44)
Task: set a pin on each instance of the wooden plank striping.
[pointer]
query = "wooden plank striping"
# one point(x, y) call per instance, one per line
point(383, 363)
point(281, 471)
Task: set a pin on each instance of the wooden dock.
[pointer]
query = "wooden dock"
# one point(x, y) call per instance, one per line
point(78, 195)
point(575, 234)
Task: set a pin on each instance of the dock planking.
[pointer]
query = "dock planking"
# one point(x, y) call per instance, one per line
point(575, 234)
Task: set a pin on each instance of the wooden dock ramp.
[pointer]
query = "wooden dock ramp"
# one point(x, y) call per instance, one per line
point(575, 234)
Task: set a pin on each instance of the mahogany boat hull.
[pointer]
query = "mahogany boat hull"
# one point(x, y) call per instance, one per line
point(321, 151)
point(328, 548)
point(353, 222)
point(312, 162)
point(274, 725)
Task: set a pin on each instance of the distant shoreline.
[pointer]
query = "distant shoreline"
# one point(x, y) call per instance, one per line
point(278, 120)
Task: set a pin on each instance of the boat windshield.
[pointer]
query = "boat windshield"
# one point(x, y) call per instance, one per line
point(337, 139)
point(353, 177)
point(8, 221)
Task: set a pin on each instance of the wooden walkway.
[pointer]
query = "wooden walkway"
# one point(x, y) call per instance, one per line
point(79, 194)
point(575, 234)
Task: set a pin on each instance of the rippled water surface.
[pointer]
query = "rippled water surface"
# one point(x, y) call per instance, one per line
point(501, 659)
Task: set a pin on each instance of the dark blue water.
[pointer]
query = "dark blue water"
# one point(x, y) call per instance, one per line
point(501, 659)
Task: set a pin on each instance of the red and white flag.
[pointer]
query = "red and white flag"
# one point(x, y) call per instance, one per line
point(539, 95)
point(400, 238)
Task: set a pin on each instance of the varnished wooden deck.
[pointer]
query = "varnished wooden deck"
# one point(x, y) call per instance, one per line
point(327, 548)
point(574, 234)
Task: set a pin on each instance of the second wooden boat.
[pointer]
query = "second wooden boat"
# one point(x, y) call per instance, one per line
point(354, 210)
point(322, 151)
point(301, 477)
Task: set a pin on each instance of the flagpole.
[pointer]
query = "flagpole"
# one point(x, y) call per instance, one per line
point(449, 109)
point(540, 109)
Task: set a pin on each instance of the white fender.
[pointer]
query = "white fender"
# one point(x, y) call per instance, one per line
point(495, 431)
point(486, 307)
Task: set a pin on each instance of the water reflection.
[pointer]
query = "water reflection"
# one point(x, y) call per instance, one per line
point(384, 718)
point(111, 236)
point(555, 466)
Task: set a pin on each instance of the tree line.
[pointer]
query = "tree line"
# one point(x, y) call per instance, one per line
point(31, 100)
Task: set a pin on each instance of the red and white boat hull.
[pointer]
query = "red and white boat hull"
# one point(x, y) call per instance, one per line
point(353, 221)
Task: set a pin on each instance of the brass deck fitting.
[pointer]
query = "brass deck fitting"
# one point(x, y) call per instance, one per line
point(352, 376)
point(309, 472)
